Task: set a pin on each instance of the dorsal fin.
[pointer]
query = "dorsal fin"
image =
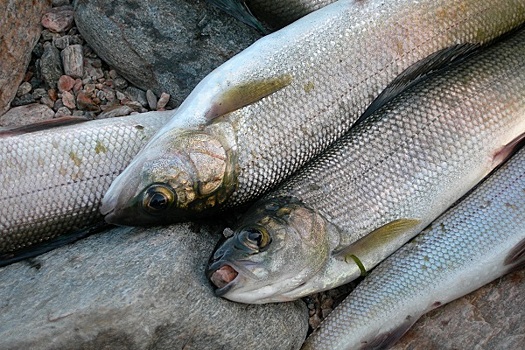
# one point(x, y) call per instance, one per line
point(44, 125)
point(417, 72)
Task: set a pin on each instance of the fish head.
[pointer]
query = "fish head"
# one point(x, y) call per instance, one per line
point(279, 246)
point(181, 175)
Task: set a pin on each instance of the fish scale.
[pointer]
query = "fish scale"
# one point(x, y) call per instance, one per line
point(52, 181)
point(381, 183)
point(464, 249)
point(328, 67)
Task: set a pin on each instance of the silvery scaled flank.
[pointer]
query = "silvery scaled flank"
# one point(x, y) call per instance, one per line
point(263, 114)
point(475, 242)
point(379, 185)
point(53, 179)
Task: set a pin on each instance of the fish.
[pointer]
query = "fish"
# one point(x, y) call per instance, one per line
point(472, 244)
point(53, 177)
point(378, 186)
point(260, 116)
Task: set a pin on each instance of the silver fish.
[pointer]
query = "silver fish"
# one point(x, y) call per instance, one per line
point(267, 111)
point(379, 185)
point(52, 181)
point(479, 240)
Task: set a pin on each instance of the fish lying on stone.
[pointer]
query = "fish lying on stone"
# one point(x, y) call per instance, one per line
point(473, 243)
point(379, 185)
point(52, 180)
point(264, 113)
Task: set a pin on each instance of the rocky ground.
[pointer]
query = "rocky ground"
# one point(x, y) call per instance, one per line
point(65, 77)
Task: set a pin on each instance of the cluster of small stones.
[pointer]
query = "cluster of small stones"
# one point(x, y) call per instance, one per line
point(69, 79)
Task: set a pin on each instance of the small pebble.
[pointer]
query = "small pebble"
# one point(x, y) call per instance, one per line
point(52, 93)
point(67, 40)
point(62, 112)
point(46, 100)
point(163, 101)
point(23, 89)
point(86, 103)
point(51, 65)
point(68, 99)
point(58, 104)
point(58, 19)
point(39, 93)
point(152, 100)
point(65, 83)
point(73, 61)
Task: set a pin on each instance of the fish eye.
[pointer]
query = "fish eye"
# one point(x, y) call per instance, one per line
point(157, 198)
point(256, 238)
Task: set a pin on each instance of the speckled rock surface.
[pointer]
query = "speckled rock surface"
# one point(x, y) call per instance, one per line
point(19, 31)
point(163, 46)
point(135, 289)
point(489, 318)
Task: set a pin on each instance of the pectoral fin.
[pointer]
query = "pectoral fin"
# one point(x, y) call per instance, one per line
point(378, 244)
point(244, 94)
point(508, 150)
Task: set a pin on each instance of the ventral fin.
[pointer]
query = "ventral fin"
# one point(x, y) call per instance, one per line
point(244, 94)
point(387, 339)
point(44, 125)
point(417, 72)
point(503, 153)
point(378, 244)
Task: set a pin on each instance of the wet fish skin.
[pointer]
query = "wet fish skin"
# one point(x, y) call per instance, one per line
point(477, 241)
point(312, 89)
point(380, 184)
point(52, 181)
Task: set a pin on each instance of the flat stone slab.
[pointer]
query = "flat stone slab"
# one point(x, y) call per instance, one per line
point(135, 289)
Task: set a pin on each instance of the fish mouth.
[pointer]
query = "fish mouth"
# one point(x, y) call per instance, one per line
point(223, 279)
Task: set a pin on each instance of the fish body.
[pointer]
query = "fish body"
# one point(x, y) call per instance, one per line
point(380, 184)
point(52, 181)
point(264, 113)
point(477, 241)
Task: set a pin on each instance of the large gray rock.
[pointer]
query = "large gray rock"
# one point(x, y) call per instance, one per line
point(135, 289)
point(490, 318)
point(159, 45)
point(19, 32)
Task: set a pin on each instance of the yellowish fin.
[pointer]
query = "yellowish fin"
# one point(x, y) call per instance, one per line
point(378, 244)
point(245, 94)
